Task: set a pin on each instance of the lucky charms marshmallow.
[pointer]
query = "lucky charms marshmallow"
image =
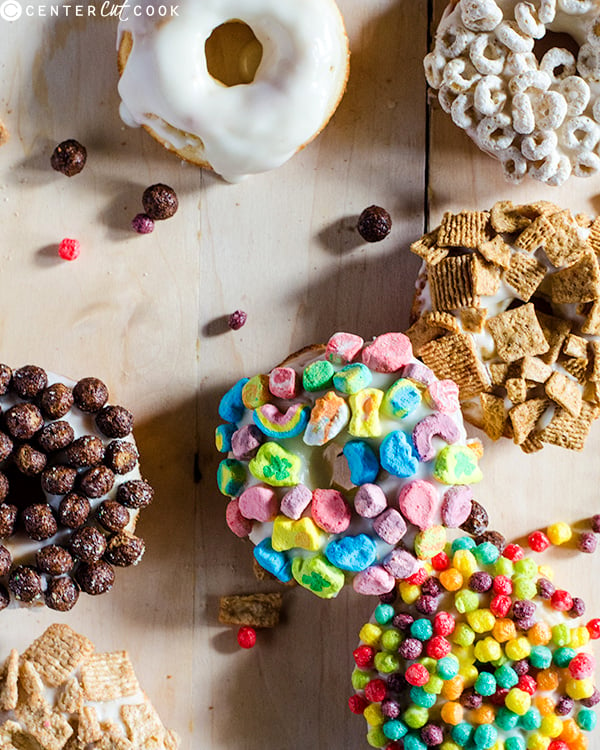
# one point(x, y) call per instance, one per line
point(478, 650)
point(347, 462)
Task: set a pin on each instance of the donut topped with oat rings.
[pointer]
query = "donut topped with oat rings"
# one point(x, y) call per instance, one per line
point(531, 103)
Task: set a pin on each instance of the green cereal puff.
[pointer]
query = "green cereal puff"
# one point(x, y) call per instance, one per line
point(524, 587)
point(391, 639)
point(386, 662)
point(561, 635)
point(466, 601)
point(415, 717)
point(463, 635)
point(526, 567)
point(360, 678)
point(318, 376)
point(376, 737)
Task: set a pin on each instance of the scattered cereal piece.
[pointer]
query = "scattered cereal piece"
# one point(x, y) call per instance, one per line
point(246, 637)
point(69, 157)
point(237, 319)
point(254, 610)
point(142, 224)
point(160, 201)
point(69, 249)
point(374, 224)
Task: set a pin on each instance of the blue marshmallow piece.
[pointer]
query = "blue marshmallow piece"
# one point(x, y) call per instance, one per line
point(231, 407)
point(397, 455)
point(276, 563)
point(362, 462)
point(352, 553)
point(352, 378)
point(401, 399)
point(223, 435)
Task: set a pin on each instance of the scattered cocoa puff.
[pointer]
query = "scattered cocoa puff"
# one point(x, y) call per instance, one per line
point(23, 421)
point(95, 578)
point(55, 436)
point(160, 201)
point(121, 456)
point(8, 519)
point(4, 488)
point(87, 544)
point(73, 510)
point(53, 560)
point(477, 521)
point(62, 594)
point(85, 451)
point(69, 157)
point(125, 549)
point(29, 381)
point(5, 378)
point(374, 224)
point(97, 481)
point(494, 537)
point(90, 394)
point(5, 561)
point(56, 400)
point(39, 522)
point(115, 421)
point(58, 480)
point(136, 493)
point(4, 598)
point(25, 583)
point(28, 460)
point(6, 446)
point(112, 515)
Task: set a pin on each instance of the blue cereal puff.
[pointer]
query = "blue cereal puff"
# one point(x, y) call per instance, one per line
point(231, 477)
point(352, 553)
point(231, 407)
point(397, 455)
point(401, 399)
point(352, 378)
point(362, 462)
point(223, 435)
point(276, 563)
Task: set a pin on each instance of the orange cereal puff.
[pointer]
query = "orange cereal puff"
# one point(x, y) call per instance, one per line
point(508, 305)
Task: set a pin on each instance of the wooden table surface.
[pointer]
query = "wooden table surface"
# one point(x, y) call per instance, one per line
point(146, 314)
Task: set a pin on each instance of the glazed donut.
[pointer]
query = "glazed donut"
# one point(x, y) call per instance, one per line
point(347, 463)
point(508, 304)
point(482, 652)
point(538, 117)
point(236, 130)
point(70, 489)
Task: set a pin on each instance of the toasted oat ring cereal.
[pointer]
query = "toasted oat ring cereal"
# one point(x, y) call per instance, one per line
point(484, 652)
point(60, 693)
point(508, 305)
point(537, 113)
point(70, 489)
point(347, 463)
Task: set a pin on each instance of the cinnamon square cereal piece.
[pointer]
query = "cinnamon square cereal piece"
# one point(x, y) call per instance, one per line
point(71, 698)
point(4, 135)
point(428, 249)
point(538, 208)
point(496, 251)
point(465, 229)
point(565, 246)
point(579, 282)
point(575, 346)
point(568, 431)
point(531, 444)
point(451, 283)
point(577, 367)
point(498, 372)
point(441, 319)
point(486, 277)
point(591, 324)
point(256, 610)
point(49, 728)
point(473, 318)
point(517, 333)
point(583, 220)
point(534, 369)
point(516, 389)
point(106, 677)
point(594, 236)
point(555, 331)
point(57, 653)
point(142, 724)
point(30, 684)
point(11, 733)
point(565, 392)
point(9, 691)
point(524, 274)
point(494, 415)
point(506, 217)
point(524, 417)
point(454, 357)
point(88, 727)
point(421, 333)
point(594, 349)
point(114, 739)
point(535, 235)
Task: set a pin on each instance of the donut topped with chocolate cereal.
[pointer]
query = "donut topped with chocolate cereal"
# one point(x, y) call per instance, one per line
point(70, 489)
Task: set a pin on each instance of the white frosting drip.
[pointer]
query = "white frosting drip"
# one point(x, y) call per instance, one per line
point(243, 129)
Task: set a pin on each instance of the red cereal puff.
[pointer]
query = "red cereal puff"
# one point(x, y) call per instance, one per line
point(69, 249)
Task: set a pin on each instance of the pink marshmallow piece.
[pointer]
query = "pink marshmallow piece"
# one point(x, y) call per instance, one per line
point(235, 520)
point(388, 353)
point(434, 425)
point(418, 502)
point(456, 506)
point(282, 382)
point(370, 501)
point(296, 501)
point(443, 396)
point(400, 563)
point(419, 372)
point(330, 511)
point(246, 441)
point(373, 581)
point(343, 347)
point(259, 503)
point(390, 526)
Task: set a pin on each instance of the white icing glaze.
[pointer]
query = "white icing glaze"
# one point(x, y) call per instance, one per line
point(247, 128)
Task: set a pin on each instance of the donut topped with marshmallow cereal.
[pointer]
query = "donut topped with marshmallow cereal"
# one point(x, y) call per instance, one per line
point(347, 462)
point(485, 652)
point(535, 110)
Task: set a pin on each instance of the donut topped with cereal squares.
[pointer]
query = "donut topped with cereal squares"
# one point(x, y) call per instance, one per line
point(480, 650)
point(347, 462)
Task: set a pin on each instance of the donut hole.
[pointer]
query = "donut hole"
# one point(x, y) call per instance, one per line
point(559, 40)
point(233, 53)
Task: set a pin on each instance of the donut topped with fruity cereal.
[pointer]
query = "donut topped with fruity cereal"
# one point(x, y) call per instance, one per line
point(480, 650)
point(347, 463)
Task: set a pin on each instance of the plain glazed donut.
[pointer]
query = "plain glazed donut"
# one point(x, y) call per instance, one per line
point(538, 117)
point(236, 130)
